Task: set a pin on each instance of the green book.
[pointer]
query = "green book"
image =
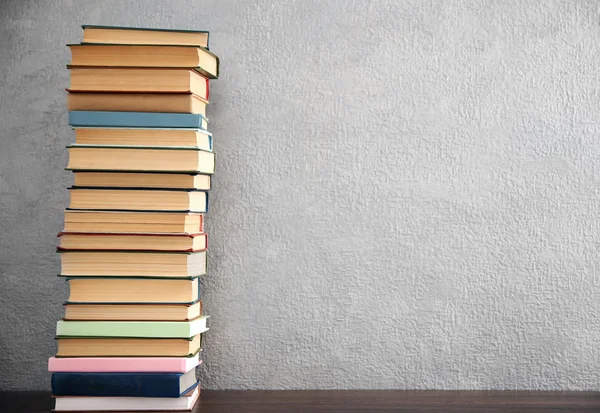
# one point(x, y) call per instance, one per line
point(130, 329)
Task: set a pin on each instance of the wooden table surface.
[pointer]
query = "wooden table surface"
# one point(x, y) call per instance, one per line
point(356, 401)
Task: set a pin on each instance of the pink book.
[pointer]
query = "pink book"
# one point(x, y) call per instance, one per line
point(123, 364)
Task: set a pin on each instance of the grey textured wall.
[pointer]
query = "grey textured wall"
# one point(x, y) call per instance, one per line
point(407, 192)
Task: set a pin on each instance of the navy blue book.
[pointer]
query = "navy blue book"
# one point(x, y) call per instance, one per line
point(123, 384)
point(98, 119)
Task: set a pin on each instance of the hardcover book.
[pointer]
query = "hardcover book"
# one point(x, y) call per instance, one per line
point(138, 79)
point(127, 404)
point(123, 384)
point(144, 329)
point(137, 102)
point(106, 179)
point(108, 158)
point(127, 347)
point(164, 264)
point(158, 137)
point(146, 55)
point(148, 311)
point(133, 221)
point(78, 118)
point(142, 199)
point(132, 241)
point(144, 35)
point(123, 364)
point(133, 290)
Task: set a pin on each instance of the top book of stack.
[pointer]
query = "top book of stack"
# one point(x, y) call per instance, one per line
point(137, 35)
point(153, 70)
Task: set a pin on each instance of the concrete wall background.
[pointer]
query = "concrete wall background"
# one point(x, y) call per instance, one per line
point(407, 192)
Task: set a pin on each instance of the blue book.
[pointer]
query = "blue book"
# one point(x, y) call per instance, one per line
point(123, 384)
point(98, 119)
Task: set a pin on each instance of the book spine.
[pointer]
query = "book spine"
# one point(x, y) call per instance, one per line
point(201, 226)
point(116, 385)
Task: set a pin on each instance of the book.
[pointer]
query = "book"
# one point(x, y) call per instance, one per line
point(133, 241)
point(111, 221)
point(137, 384)
point(127, 347)
point(140, 159)
point(144, 35)
point(146, 199)
point(128, 290)
point(137, 79)
point(133, 246)
point(152, 311)
point(127, 404)
point(146, 55)
point(199, 138)
point(132, 263)
point(136, 102)
point(129, 329)
point(123, 364)
point(105, 179)
point(79, 118)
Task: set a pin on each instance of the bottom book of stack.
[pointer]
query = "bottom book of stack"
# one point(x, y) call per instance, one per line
point(127, 365)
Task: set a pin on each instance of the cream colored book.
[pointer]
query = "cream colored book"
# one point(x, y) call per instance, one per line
point(137, 79)
point(133, 221)
point(122, 199)
point(132, 241)
point(132, 263)
point(127, 347)
point(133, 290)
point(140, 159)
point(133, 312)
point(143, 35)
point(141, 180)
point(153, 137)
point(137, 102)
point(146, 55)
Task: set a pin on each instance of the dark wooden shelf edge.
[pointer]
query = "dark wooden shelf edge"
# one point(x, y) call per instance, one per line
point(292, 401)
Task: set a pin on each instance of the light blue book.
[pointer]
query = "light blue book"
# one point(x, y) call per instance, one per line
point(81, 118)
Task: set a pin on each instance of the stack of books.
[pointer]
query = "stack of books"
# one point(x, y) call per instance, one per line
point(133, 246)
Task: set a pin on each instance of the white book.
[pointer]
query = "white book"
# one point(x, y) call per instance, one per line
point(122, 404)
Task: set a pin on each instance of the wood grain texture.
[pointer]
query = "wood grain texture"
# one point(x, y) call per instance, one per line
point(330, 401)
